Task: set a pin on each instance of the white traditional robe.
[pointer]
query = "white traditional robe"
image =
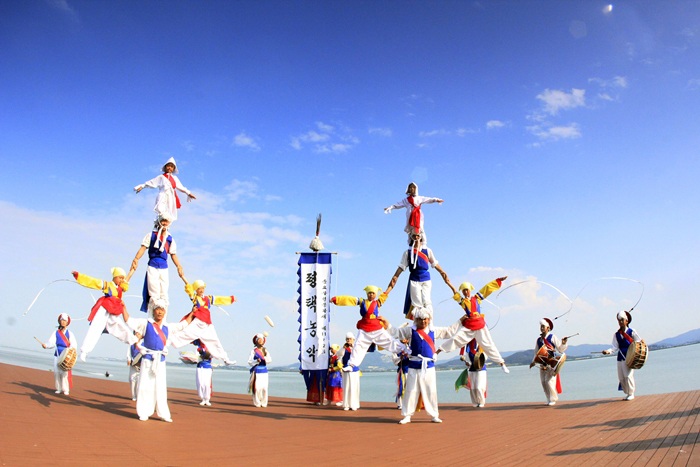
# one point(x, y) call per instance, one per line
point(261, 380)
point(165, 202)
point(60, 377)
point(547, 376)
point(625, 374)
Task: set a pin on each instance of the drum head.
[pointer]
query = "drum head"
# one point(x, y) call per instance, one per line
point(479, 360)
point(560, 364)
point(67, 358)
point(631, 354)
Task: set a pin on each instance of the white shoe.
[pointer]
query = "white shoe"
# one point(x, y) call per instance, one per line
point(83, 356)
point(317, 403)
point(505, 369)
point(436, 420)
point(143, 419)
point(406, 419)
point(338, 404)
point(481, 406)
point(66, 392)
point(346, 408)
point(133, 399)
point(58, 392)
point(551, 403)
point(355, 408)
point(629, 397)
point(202, 403)
point(169, 420)
point(207, 403)
point(475, 405)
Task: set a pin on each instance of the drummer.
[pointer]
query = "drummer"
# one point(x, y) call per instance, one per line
point(621, 342)
point(549, 377)
point(133, 361)
point(477, 372)
point(61, 340)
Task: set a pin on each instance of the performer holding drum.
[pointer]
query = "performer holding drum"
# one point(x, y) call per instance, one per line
point(258, 360)
point(65, 355)
point(476, 380)
point(631, 354)
point(546, 347)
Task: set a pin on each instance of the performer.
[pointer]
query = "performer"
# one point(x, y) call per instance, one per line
point(419, 283)
point(109, 317)
point(258, 360)
point(159, 244)
point(477, 381)
point(61, 339)
point(414, 216)
point(420, 380)
point(133, 360)
point(334, 387)
point(351, 378)
point(167, 200)
point(401, 362)
point(550, 381)
point(200, 327)
point(152, 393)
point(620, 344)
point(204, 373)
point(371, 326)
point(472, 324)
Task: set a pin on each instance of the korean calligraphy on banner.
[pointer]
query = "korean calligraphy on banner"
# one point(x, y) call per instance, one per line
point(314, 310)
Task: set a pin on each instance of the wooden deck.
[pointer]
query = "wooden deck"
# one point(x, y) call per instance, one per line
point(97, 425)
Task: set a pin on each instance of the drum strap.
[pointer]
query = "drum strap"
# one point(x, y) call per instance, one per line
point(63, 337)
point(627, 337)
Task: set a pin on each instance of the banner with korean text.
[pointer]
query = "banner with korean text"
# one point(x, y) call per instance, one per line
point(314, 310)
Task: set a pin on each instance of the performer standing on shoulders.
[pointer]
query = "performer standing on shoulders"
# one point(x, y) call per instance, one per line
point(351, 378)
point(334, 387)
point(113, 308)
point(419, 283)
point(204, 373)
point(258, 360)
point(159, 244)
point(621, 342)
point(167, 200)
point(133, 360)
point(472, 324)
point(550, 381)
point(414, 216)
point(61, 340)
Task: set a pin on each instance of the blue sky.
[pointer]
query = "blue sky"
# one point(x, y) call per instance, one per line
point(563, 137)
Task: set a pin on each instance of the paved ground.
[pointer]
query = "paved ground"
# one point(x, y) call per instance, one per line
point(97, 425)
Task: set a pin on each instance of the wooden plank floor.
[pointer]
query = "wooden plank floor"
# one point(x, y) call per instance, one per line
point(97, 425)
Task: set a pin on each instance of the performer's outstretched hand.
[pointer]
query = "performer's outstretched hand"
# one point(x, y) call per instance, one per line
point(502, 278)
point(333, 300)
point(190, 197)
point(75, 274)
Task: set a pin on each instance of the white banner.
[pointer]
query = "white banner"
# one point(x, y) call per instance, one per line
point(315, 285)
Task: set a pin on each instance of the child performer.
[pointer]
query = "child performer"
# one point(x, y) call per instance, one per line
point(258, 360)
point(621, 342)
point(204, 373)
point(334, 387)
point(401, 362)
point(550, 381)
point(200, 327)
point(153, 386)
point(472, 324)
point(167, 200)
point(159, 244)
point(61, 340)
point(351, 379)
point(414, 216)
point(133, 360)
point(371, 327)
point(477, 382)
point(109, 317)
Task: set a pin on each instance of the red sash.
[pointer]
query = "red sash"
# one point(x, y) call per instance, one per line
point(63, 337)
point(627, 337)
point(202, 312)
point(426, 337)
point(113, 306)
point(414, 220)
point(259, 354)
point(172, 182)
point(421, 255)
point(473, 323)
point(159, 331)
point(367, 323)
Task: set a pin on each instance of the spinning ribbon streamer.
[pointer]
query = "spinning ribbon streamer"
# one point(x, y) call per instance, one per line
point(52, 282)
point(615, 278)
point(571, 304)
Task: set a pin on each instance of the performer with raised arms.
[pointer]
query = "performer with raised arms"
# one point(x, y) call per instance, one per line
point(351, 379)
point(204, 373)
point(61, 340)
point(200, 327)
point(159, 244)
point(419, 283)
point(549, 378)
point(622, 339)
point(370, 326)
point(414, 217)
point(472, 324)
point(167, 184)
point(258, 360)
point(110, 317)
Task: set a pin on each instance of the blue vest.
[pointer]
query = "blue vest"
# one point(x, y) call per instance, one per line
point(540, 343)
point(201, 349)
point(420, 347)
point(60, 347)
point(152, 341)
point(158, 259)
point(623, 344)
point(134, 351)
point(472, 353)
point(260, 367)
point(419, 272)
point(346, 358)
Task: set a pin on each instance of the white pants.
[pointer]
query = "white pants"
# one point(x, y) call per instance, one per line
point(351, 389)
point(483, 338)
point(415, 386)
point(134, 380)
point(204, 383)
point(60, 377)
point(626, 377)
point(158, 282)
point(379, 337)
point(153, 391)
point(260, 393)
point(420, 294)
point(477, 379)
point(549, 384)
point(206, 333)
point(114, 324)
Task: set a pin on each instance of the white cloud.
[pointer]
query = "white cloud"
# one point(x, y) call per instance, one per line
point(325, 128)
point(63, 6)
point(694, 84)
point(427, 134)
point(273, 198)
point(555, 133)
point(239, 190)
point(557, 100)
point(606, 97)
point(464, 131)
point(188, 146)
point(615, 82)
point(326, 134)
point(243, 140)
point(491, 124)
point(380, 131)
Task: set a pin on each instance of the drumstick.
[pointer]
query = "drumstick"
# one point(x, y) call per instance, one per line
point(573, 335)
point(42, 344)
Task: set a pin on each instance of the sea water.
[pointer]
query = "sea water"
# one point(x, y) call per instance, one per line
point(668, 370)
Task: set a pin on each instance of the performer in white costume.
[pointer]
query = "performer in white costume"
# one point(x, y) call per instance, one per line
point(478, 381)
point(472, 324)
point(421, 380)
point(419, 283)
point(153, 387)
point(351, 379)
point(133, 360)
point(107, 311)
point(414, 217)
point(167, 184)
point(201, 327)
point(159, 244)
point(550, 380)
point(61, 339)
point(258, 360)
point(620, 344)
point(204, 373)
